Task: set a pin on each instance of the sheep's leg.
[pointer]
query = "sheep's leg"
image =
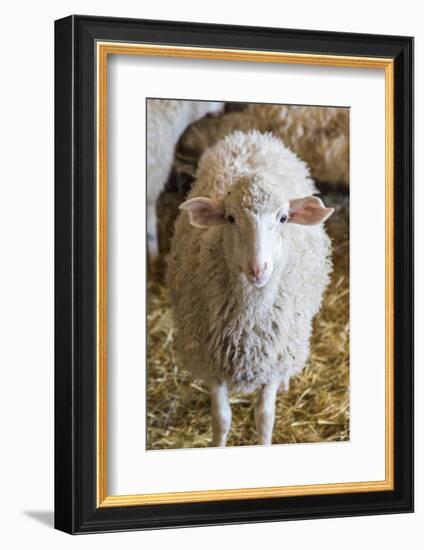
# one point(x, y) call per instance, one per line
point(265, 412)
point(221, 414)
point(152, 233)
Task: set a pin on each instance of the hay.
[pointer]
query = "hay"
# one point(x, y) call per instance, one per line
point(316, 407)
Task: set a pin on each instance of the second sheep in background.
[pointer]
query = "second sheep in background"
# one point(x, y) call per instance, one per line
point(318, 135)
point(166, 121)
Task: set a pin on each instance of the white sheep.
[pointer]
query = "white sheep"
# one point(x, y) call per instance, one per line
point(166, 121)
point(248, 265)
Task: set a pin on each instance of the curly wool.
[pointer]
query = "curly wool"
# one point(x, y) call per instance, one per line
point(166, 121)
point(226, 329)
point(318, 135)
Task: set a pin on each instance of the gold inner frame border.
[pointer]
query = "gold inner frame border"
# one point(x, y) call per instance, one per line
point(103, 50)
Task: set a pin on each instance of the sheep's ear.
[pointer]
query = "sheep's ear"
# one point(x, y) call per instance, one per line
point(308, 211)
point(204, 212)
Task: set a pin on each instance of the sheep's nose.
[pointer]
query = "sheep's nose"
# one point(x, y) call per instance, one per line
point(256, 270)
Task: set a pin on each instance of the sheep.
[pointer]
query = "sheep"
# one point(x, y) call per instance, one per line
point(166, 121)
point(249, 262)
point(318, 135)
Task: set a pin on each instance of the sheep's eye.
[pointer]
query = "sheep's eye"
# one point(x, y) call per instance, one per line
point(283, 219)
point(231, 219)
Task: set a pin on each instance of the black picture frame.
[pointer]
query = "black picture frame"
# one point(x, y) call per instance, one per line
point(76, 510)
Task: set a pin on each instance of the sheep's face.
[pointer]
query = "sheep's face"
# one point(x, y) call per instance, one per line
point(254, 227)
point(254, 242)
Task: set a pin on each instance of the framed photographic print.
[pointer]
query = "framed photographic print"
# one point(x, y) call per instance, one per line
point(234, 274)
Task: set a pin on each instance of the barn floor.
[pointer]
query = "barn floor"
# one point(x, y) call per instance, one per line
point(316, 407)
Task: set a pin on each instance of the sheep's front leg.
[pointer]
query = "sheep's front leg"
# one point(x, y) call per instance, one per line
point(221, 414)
point(152, 233)
point(265, 412)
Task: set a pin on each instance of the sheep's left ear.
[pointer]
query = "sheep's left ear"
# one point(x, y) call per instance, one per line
point(308, 211)
point(204, 212)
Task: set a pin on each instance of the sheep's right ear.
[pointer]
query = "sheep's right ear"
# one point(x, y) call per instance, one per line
point(308, 211)
point(204, 212)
